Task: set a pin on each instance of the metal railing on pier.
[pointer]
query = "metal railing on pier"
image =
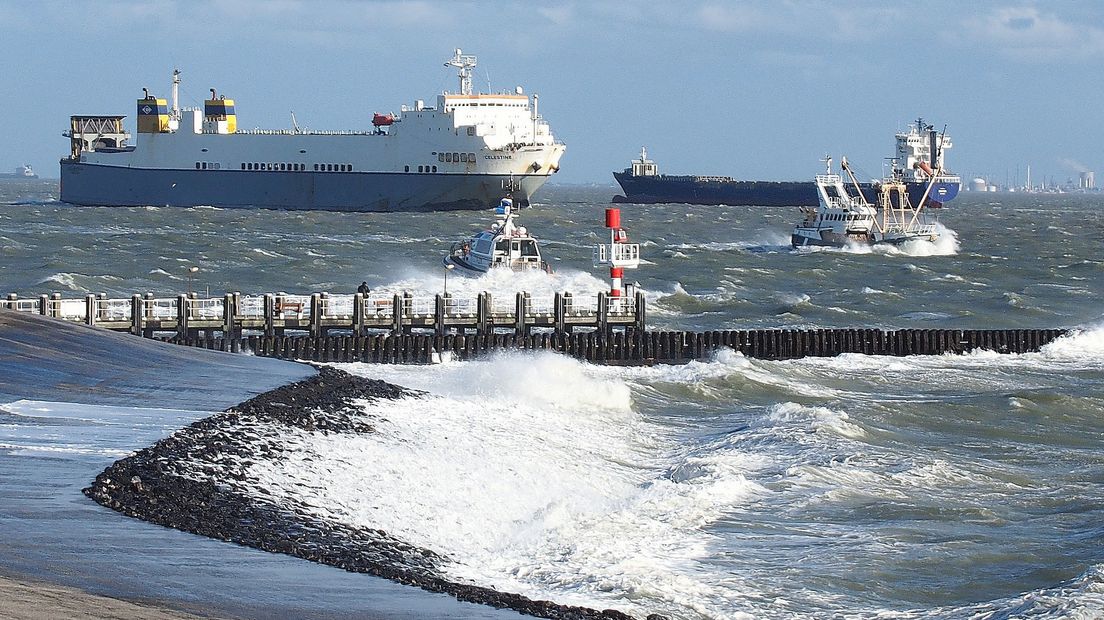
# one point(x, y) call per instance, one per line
point(190, 316)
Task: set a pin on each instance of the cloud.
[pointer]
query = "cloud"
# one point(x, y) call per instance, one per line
point(560, 15)
point(816, 20)
point(1028, 34)
point(729, 18)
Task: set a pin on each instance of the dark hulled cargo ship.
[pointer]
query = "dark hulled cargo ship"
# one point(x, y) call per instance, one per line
point(913, 166)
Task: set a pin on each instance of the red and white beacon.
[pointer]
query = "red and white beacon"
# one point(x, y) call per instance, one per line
point(619, 254)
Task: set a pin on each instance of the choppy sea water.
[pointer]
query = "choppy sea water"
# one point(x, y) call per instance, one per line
point(964, 487)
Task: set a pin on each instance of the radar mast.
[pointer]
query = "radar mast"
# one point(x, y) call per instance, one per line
point(465, 64)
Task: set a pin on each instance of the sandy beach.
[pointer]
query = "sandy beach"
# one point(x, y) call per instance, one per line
point(29, 600)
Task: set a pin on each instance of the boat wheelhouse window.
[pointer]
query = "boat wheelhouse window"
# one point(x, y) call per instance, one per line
point(482, 246)
point(529, 249)
point(503, 246)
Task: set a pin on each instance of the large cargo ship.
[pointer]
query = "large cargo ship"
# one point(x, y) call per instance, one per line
point(919, 155)
point(22, 172)
point(459, 154)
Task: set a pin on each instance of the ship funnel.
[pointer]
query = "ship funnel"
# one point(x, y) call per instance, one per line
point(145, 93)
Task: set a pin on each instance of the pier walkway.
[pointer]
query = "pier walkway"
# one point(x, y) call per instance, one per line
point(273, 314)
point(404, 329)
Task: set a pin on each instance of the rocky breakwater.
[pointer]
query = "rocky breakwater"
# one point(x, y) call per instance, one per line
point(188, 481)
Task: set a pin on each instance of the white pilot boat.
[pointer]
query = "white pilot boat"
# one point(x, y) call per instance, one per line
point(503, 246)
point(842, 218)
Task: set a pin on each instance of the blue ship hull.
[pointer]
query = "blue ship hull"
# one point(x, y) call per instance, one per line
point(724, 191)
point(99, 185)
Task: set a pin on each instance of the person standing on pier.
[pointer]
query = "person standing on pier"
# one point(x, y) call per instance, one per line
point(363, 289)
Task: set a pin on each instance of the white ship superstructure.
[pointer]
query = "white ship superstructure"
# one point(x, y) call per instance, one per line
point(455, 155)
point(920, 157)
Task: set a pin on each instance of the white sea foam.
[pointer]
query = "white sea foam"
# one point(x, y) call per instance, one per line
point(77, 281)
point(944, 245)
point(268, 253)
point(501, 283)
point(1083, 344)
point(533, 474)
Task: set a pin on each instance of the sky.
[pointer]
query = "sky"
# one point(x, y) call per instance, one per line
point(753, 90)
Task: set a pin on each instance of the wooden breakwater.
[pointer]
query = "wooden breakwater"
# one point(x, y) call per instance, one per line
point(404, 329)
point(635, 347)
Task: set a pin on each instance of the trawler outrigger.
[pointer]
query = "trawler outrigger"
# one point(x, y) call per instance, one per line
point(502, 246)
point(842, 218)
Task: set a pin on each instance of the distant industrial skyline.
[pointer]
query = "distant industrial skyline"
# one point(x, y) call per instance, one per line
point(754, 90)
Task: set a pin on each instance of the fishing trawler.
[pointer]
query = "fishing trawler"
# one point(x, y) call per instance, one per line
point(844, 218)
point(455, 155)
point(840, 219)
point(503, 246)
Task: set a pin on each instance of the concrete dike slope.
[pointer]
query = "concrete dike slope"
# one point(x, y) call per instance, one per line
point(75, 399)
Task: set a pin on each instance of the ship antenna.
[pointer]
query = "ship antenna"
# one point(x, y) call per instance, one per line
point(464, 64)
point(176, 94)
